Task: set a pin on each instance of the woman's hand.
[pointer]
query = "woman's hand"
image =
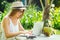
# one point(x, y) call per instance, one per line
point(28, 32)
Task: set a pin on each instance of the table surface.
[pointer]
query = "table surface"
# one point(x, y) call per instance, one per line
point(43, 37)
point(52, 37)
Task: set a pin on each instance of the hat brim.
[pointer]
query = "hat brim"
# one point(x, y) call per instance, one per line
point(23, 8)
point(20, 8)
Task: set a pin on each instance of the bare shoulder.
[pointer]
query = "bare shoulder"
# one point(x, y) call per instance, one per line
point(5, 21)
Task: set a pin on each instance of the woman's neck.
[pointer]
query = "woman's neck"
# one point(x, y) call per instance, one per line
point(13, 17)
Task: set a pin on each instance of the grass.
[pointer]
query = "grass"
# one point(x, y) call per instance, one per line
point(58, 32)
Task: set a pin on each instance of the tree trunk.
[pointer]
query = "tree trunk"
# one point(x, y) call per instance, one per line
point(46, 13)
point(29, 2)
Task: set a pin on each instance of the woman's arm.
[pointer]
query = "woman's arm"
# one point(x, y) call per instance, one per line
point(22, 29)
point(7, 30)
point(20, 26)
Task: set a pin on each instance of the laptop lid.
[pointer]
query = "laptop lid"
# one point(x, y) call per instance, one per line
point(37, 28)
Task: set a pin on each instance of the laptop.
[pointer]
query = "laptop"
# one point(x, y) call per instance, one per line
point(37, 28)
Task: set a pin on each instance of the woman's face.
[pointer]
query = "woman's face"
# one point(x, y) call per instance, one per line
point(20, 13)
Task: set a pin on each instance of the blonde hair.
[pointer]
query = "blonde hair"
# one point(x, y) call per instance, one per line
point(13, 12)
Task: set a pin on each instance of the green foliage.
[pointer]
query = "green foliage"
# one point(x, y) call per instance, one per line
point(6, 10)
point(58, 32)
point(0, 17)
point(31, 15)
point(55, 18)
point(57, 4)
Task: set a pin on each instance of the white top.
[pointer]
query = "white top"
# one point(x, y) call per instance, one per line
point(13, 28)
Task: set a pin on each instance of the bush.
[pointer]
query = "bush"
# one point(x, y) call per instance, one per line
point(55, 18)
point(6, 10)
point(31, 15)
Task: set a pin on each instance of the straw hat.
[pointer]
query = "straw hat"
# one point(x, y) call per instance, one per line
point(18, 5)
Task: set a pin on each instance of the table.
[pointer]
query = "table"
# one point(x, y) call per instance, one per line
point(43, 37)
point(53, 37)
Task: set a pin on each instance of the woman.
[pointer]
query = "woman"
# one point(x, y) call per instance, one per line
point(11, 24)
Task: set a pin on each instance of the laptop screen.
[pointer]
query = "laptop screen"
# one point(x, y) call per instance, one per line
point(37, 28)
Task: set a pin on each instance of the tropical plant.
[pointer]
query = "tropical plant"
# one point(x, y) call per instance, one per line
point(31, 15)
point(55, 18)
point(6, 10)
